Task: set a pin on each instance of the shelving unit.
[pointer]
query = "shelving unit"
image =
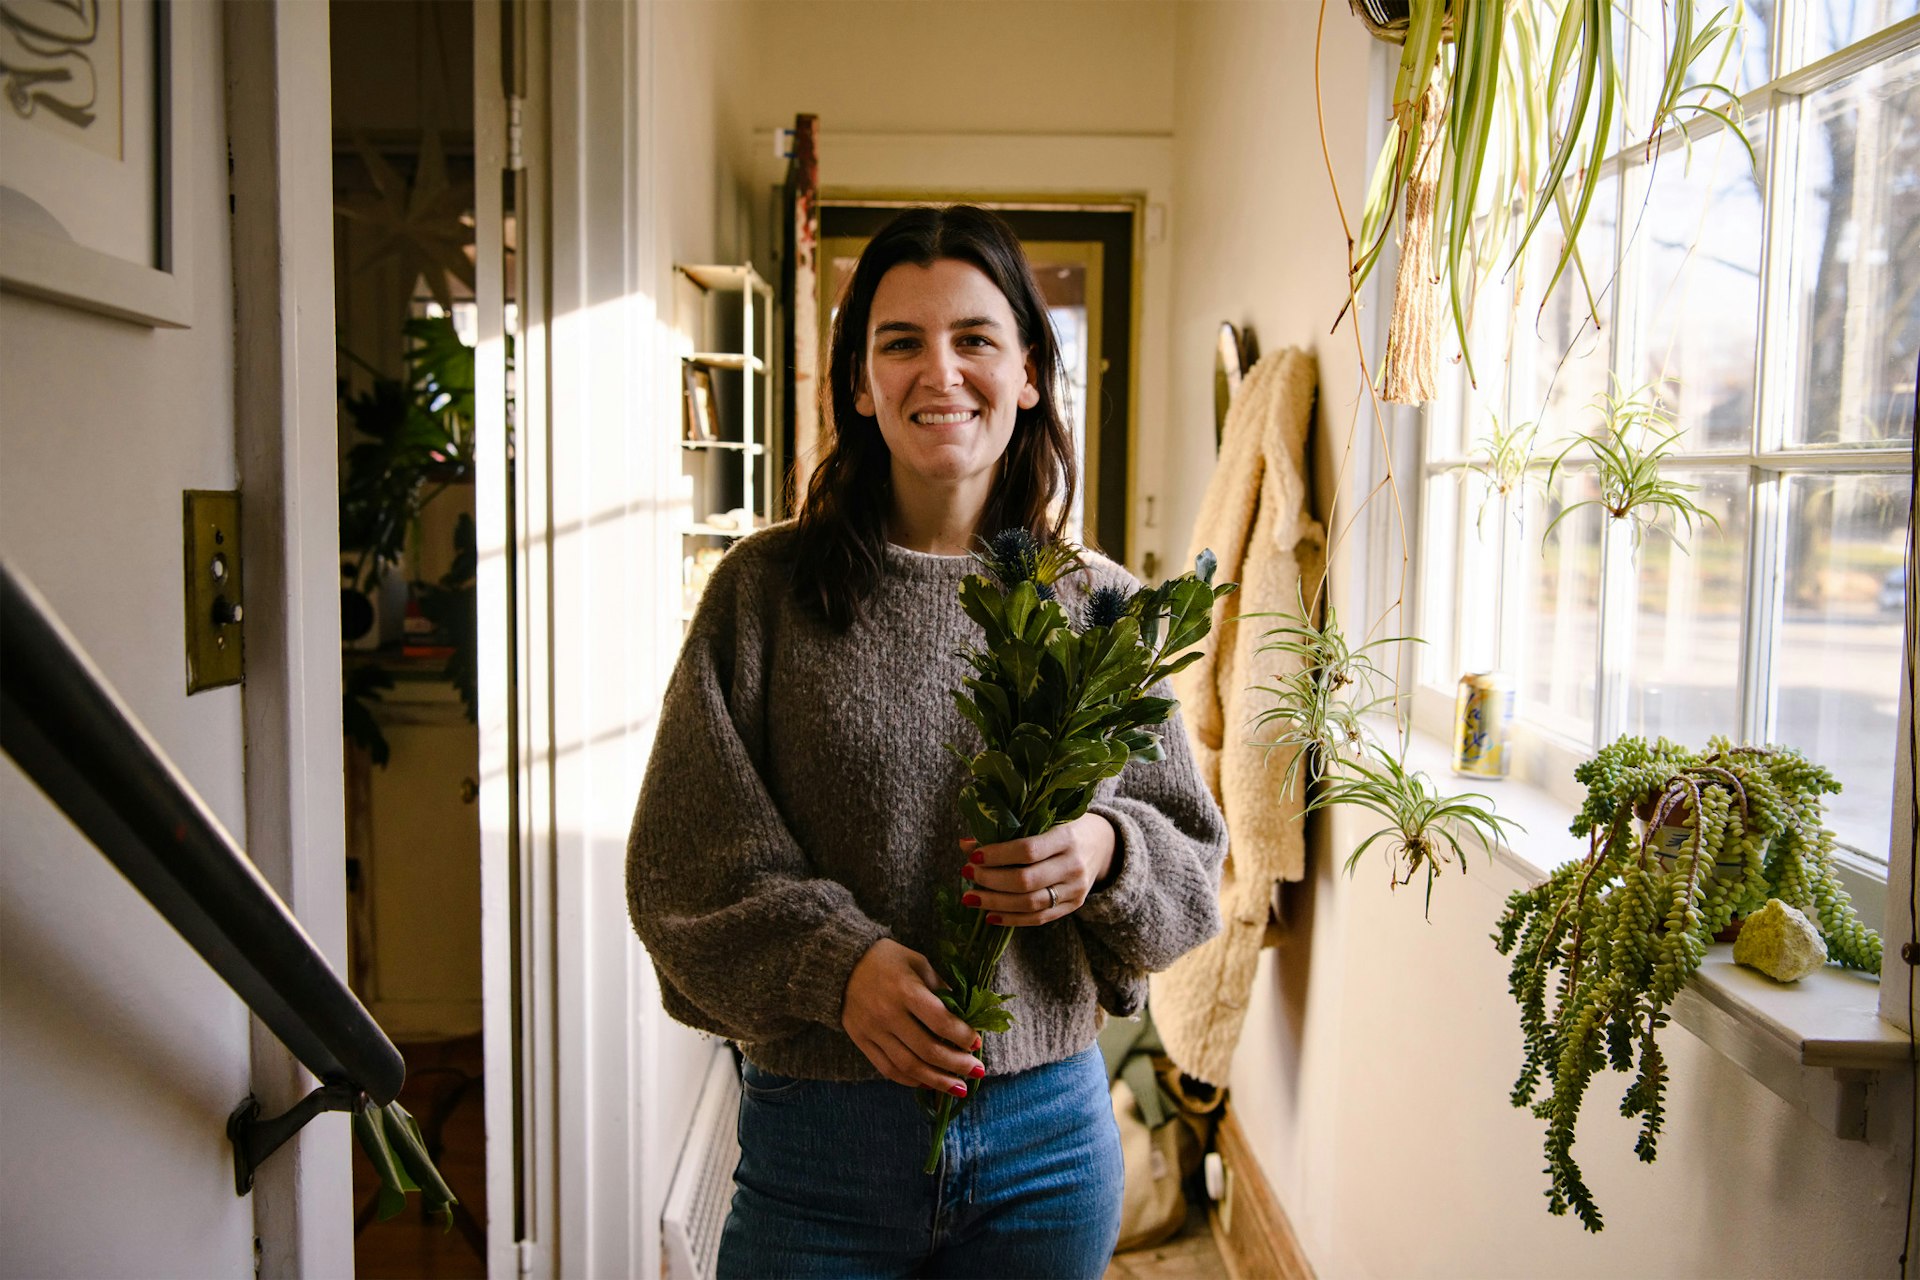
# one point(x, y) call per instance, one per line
point(731, 477)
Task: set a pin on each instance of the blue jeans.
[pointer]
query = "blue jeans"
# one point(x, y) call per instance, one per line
point(829, 1181)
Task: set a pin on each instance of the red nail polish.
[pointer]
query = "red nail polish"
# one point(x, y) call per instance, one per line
point(978, 1073)
point(979, 856)
point(994, 920)
point(958, 1091)
point(977, 1042)
point(970, 900)
point(967, 871)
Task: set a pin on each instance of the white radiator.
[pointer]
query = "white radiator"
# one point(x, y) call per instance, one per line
point(702, 1186)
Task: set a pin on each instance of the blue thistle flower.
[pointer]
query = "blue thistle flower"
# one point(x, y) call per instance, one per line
point(1014, 554)
point(1104, 607)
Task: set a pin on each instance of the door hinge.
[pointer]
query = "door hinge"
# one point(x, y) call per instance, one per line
point(516, 111)
point(524, 1259)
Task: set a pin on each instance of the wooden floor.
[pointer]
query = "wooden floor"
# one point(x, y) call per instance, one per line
point(443, 1080)
point(1191, 1255)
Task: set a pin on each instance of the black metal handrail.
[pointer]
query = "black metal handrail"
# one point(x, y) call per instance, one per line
point(70, 732)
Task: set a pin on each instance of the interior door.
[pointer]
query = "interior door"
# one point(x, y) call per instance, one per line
point(517, 972)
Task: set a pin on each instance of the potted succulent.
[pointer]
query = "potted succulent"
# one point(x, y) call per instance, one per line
point(1681, 842)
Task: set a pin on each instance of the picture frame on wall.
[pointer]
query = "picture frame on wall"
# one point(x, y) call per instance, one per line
point(92, 205)
point(702, 420)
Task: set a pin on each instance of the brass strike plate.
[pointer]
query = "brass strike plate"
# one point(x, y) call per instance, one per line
point(214, 589)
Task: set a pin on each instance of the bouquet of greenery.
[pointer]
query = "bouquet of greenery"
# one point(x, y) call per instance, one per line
point(1061, 704)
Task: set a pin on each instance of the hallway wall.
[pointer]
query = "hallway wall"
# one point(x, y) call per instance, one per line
point(1379, 1048)
point(645, 163)
point(121, 1053)
point(988, 66)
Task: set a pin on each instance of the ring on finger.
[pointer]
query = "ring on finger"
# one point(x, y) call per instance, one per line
point(1053, 899)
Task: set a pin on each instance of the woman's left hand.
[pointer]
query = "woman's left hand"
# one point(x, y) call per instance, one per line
point(1037, 879)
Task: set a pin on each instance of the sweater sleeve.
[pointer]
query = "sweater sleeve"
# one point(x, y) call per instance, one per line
point(1161, 895)
point(752, 943)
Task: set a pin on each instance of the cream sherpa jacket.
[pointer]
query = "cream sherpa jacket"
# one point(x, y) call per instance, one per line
point(1257, 518)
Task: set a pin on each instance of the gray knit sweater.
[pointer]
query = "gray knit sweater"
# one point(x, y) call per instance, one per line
point(799, 806)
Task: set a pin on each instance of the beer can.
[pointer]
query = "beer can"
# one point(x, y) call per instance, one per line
point(1483, 725)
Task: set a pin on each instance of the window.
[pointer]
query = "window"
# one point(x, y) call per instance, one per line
point(1776, 307)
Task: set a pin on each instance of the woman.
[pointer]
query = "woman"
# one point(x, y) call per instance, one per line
point(800, 812)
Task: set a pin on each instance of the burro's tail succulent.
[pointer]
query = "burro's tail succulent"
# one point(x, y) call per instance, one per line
point(1680, 843)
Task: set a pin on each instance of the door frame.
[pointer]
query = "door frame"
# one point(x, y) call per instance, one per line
point(286, 434)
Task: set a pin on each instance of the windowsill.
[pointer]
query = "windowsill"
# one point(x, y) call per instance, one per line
point(1819, 1043)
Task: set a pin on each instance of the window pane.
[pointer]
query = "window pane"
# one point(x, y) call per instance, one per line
point(1560, 359)
point(1442, 421)
point(1835, 24)
point(1560, 612)
point(1439, 547)
point(1699, 288)
point(1749, 61)
point(1857, 258)
point(1836, 666)
point(1683, 678)
point(1479, 587)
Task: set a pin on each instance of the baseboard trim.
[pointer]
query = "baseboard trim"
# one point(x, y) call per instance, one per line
point(1256, 1239)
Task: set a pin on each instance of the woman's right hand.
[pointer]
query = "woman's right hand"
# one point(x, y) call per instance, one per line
point(894, 1015)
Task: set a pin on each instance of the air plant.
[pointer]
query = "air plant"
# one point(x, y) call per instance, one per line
point(1502, 458)
point(1423, 828)
point(1628, 453)
point(1679, 843)
point(1320, 706)
point(1320, 716)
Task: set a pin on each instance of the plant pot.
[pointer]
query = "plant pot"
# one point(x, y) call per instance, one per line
point(1388, 20)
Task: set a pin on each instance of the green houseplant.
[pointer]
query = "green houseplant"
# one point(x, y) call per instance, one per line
point(416, 441)
point(1320, 720)
point(1680, 843)
point(1501, 113)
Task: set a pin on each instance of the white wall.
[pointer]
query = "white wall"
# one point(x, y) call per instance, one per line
point(988, 66)
point(1373, 1073)
point(645, 165)
point(121, 1053)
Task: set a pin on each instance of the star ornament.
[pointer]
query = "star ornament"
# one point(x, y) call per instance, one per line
point(425, 224)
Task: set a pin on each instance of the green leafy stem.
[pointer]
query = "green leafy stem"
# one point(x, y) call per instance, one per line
point(392, 1140)
point(1061, 704)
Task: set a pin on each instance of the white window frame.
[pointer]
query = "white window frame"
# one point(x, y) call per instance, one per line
point(1542, 757)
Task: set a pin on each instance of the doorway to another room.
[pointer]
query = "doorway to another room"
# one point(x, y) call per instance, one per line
point(404, 235)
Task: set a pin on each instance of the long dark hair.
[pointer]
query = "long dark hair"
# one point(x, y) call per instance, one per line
point(843, 521)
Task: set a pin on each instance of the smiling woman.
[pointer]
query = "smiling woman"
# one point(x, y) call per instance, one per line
point(801, 815)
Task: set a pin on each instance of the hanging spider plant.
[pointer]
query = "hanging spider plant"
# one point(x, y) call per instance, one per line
point(1424, 827)
point(1628, 453)
point(1528, 98)
point(1502, 458)
point(1320, 706)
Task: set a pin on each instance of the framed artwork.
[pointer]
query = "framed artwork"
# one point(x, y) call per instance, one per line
point(91, 208)
point(702, 423)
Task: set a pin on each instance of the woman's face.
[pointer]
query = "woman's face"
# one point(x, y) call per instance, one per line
point(944, 372)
